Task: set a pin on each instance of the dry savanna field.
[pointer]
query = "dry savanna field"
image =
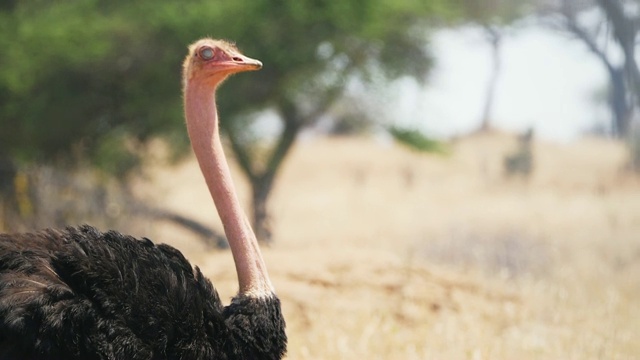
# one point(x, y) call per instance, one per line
point(383, 253)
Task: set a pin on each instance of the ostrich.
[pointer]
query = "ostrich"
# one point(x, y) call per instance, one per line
point(79, 293)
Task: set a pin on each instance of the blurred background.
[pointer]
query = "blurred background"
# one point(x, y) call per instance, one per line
point(430, 179)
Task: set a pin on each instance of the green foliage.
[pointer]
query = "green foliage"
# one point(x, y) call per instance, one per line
point(416, 140)
point(494, 13)
point(94, 80)
point(94, 76)
point(311, 49)
point(90, 78)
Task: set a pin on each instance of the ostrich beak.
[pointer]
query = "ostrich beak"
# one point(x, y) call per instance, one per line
point(245, 63)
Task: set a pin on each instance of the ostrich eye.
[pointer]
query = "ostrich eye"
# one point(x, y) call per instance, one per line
point(206, 53)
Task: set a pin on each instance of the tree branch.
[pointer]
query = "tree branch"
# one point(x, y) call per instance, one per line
point(207, 234)
point(625, 30)
point(322, 105)
point(292, 124)
point(583, 35)
point(243, 158)
point(293, 121)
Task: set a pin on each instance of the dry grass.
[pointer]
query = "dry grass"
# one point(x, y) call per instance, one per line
point(386, 254)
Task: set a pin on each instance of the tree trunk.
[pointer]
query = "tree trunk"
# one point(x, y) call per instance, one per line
point(261, 189)
point(621, 90)
point(495, 38)
point(262, 175)
point(632, 71)
point(625, 29)
point(261, 184)
point(262, 172)
point(619, 103)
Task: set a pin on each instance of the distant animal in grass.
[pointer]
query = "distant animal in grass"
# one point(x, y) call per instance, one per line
point(520, 162)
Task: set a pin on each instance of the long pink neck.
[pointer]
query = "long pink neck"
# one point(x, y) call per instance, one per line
point(202, 125)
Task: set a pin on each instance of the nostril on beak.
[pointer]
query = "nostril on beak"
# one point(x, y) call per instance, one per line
point(235, 58)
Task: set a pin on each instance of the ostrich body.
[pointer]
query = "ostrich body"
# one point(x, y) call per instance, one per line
point(79, 293)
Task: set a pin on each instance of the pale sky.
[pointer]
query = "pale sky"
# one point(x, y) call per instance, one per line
point(548, 81)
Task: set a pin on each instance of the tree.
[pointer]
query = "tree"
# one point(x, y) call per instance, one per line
point(94, 81)
point(495, 18)
point(83, 83)
point(311, 50)
point(596, 23)
point(624, 17)
point(77, 78)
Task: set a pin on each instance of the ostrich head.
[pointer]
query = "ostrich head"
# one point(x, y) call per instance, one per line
point(212, 61)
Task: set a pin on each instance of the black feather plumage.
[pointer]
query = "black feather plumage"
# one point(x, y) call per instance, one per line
point(79, 293)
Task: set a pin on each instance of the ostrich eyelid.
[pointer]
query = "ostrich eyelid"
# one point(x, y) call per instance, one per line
point(206, 53)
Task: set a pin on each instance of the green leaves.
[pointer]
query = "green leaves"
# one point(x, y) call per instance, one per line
point(417, 141)
point(494, 12)
point(73, 74)
point(99, 75)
